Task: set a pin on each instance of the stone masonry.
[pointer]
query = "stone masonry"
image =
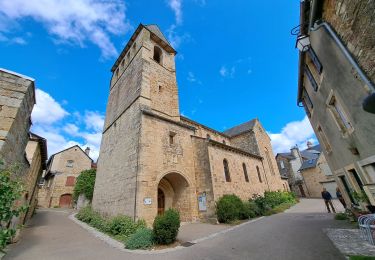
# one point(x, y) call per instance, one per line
point(152, 159)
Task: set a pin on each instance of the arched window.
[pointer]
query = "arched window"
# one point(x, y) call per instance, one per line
point(259, 176)
point(245, 172)
point(226, 170)
point(269, 161)
point(157, 54)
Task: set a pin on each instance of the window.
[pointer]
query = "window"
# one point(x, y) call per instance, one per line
point(129, 55)
point(70, 181)
point(226, 170)
point(157, 54)
point(160, 88)
point(134, 46)
point(370, 171)
point(69, 163)
point(269, 161)
point(224, 142)
point(245, 172)
point(259, 176)
point(311, 78)
point(324, 140)
point(171, 137)
point(208, 137)
point(339, 115)
point(314, 59)
point(117, 73)
point(282, 165)
point(122, 63)
point(354, 173)
point(307, 104)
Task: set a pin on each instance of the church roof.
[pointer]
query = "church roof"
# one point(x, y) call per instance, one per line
point(156, 30)
point(241, 128)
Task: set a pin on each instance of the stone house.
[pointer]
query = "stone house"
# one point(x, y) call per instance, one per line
point(152, 158)
point(307, 171)
point(336, 75)
point(59, 179)
point(17, 145)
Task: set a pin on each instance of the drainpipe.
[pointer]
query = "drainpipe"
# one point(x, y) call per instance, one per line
point(368, 104)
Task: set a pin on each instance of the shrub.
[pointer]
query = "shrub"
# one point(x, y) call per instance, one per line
point(261, 204)
point(141, 239)
point(251, 210)
point(341, 216)
point(85, 184)
point(229, 208)
point(122, 225)
point(279, 208)
point(166, 227)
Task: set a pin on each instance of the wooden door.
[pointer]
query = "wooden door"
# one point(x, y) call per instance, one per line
point(65, 201)
point(161, 202)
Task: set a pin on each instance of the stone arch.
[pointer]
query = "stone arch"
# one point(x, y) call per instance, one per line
point(177, 194)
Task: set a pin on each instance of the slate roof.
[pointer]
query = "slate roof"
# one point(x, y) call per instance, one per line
point(240, 128)
point(309, 164)
point(155, 29)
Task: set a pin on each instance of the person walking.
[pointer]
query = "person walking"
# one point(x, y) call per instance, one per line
point(328, 200)
point(340, 197)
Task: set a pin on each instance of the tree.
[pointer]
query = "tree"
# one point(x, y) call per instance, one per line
point(85, 184)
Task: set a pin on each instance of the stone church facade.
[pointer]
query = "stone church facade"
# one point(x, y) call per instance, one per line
point(152, 159)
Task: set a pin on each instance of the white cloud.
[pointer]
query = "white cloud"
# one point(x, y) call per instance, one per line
point(293, 133)
point(176, 6)
point(47, 110)
point(94, 120)
point(73, 21)
point(227, 72)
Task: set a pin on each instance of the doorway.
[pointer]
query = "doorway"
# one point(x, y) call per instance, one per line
point(161, 202)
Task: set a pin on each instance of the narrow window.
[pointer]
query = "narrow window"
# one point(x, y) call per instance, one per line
point(70, 181)
point(282, 164)
point(226, 170)
point(339, 115)
point(324, 139)
point(129, 55)
point(224, 142)
point(245, 172)
point(307, 103)
point(259, 176)
point(69, 163)
point(157, 54)
point(117, 73)
point(122, 63)
point(314, 58)
point(269, 161)
point(354, 173)
point(208, 137)
point(134, 46)
point(160, 88)
point(311, 78)
point(171, 137)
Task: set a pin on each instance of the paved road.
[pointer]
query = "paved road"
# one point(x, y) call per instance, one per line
point(296, 234)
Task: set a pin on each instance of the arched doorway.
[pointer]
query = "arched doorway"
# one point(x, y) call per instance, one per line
point(174, 191)
point(65, 201)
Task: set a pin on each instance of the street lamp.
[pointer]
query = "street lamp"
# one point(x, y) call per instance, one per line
point(303, 43)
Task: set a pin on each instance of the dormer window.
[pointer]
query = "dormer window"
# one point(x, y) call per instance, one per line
point(157, 54)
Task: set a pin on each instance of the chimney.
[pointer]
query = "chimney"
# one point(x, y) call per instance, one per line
point(295, 152)
point(87, 151)
point(309, 144)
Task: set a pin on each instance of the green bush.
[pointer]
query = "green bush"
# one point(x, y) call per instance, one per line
point(142, 239)
point(229, 208)
point(279, 208)
point(166, 227)
point(122, 225)
point(251, 210)
point(85, 184)
point(272, 199)
point(341, 216)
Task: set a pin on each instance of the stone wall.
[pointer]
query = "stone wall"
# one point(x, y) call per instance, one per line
point(247, 142)
point(17, 99)
point(354, 23)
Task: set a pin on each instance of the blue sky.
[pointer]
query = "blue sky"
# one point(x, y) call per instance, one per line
point(236, 61)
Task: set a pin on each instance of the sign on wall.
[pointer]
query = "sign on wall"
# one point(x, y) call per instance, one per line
point(202, 202)
point(147, 201)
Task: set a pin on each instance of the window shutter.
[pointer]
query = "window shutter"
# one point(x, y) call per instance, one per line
point(311, 78)
point(315, 60)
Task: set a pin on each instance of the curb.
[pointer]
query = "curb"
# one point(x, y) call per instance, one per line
point(118, 245)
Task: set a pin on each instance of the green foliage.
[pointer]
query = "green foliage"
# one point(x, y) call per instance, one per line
point(360, 196)
point(85, 184)
point(10, 191)
point(143, 238)
point(271, 199)
point(166, 227)
point(120, 227)
point(230, 208)
point(361, 257)
point(341, 216)
point(279, 208)
point(251, 209)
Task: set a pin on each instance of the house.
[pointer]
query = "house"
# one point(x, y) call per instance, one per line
point(336, 76)
point(63, 168)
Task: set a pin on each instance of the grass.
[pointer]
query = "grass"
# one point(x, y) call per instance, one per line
point(280, 208)
point(341, 216)
point(361, 257)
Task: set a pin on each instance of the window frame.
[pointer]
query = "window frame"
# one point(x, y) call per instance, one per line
point(226, 171)
point(245, 172)
point(259, 175)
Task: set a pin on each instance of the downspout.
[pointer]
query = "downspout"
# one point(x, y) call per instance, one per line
point(346, 53)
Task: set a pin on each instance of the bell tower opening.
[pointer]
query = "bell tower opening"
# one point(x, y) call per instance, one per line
point(158, 55)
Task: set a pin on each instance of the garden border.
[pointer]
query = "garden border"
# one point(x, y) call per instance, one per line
point(118, 245)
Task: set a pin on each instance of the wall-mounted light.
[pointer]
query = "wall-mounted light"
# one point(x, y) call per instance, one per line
point(303, 43)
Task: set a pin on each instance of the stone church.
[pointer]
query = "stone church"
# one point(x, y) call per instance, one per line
point(152, 158)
